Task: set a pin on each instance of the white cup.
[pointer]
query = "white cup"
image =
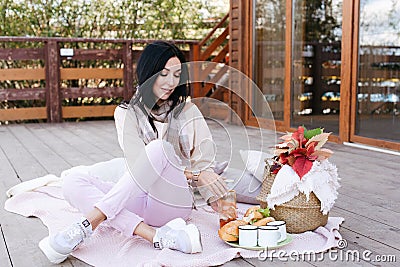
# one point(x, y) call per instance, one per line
point(268, 236)
point(282, 229)
point(248, 235)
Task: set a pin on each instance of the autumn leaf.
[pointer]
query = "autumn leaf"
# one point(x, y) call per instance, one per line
point(287, 137)
point(302, 166)
point(301, 148)
point(283, 159)
point(282, 145)
point(308, 134)
point(299, 136)
point(279, 151)
point(310, 150)
point(293, 145)
point(322, 154)
point(321, 139)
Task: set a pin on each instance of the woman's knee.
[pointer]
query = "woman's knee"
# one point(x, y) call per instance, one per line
point(155, 147)
point(72, 183)
point(162, 151)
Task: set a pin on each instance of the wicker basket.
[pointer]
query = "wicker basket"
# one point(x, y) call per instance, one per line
point(299, 214)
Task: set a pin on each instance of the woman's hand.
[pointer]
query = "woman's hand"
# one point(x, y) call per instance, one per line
point(214, 182)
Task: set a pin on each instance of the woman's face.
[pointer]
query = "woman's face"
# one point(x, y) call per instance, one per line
point(168, 79)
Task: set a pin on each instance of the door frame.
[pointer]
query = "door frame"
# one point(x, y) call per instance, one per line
point(348, 87)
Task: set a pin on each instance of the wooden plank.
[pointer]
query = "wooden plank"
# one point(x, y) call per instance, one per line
point(235, 55)
point(211, 33)
point(235, 45)
point(95, 54)
point(215, 44)
point(235, 4)
point(378, 237)
point(371, 228)
point(361, 243)
point(24, 164)
point(83, 40)
point(22, 74)
point(376, 142)
point(20, 236)
point(22, 94)
point(22, 114)
point(75, 92)
point(235, 13)
point(67, 151)
point(95, 73)
point(21, 53)
point(236, 263)
point(95, 153)
point(40, 150)
point(335, 257)
point(284, 261)
point(4, 257)
point(235, 34)
point(95, 134)
point(8, 178)
point(235, 23)
point(88, 111)
point(363, 208)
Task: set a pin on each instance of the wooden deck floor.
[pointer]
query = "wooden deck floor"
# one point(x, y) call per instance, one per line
point(369, 197)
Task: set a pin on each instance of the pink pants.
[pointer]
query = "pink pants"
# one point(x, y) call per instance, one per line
point(160, 196)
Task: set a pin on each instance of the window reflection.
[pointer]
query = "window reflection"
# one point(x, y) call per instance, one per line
point(316, 64)
point(378, 86)
point(269, 54)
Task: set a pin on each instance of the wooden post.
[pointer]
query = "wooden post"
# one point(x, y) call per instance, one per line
point(53, 92)
point(127, 58)
point(195, 71)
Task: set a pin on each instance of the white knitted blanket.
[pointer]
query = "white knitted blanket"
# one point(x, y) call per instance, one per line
point(322, 179)
point(108, 247)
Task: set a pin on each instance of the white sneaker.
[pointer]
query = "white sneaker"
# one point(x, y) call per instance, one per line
point(177, 223)
point(185, 238)
point(58, 247)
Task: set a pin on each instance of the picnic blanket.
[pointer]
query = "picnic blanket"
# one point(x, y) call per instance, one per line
point(108, 247)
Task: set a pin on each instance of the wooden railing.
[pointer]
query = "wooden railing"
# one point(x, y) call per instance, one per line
point(51, 82)
point(52, 78)
point(215, 50)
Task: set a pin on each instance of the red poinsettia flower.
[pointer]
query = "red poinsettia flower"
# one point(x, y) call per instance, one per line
point(304, 159)
point(299, 136)
point(301, 148)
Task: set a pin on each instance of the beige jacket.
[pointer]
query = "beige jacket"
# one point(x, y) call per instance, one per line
point(202, 147)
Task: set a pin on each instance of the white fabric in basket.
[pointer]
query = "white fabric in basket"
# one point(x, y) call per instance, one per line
point(322, 179)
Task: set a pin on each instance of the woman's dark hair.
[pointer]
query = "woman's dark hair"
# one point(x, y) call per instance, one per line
point(151, 62)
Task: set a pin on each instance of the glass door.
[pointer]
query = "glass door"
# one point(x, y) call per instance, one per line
point(269, 56)
point(378, 80)
point(316, 64)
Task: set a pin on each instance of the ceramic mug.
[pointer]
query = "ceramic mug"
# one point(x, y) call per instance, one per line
point(248, 235)
point(282, 229)
point(268, 236)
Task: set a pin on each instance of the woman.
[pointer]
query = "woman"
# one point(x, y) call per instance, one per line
point(168, 149)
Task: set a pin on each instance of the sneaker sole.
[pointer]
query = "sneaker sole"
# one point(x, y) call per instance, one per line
point(51, 254)
point(195, 238)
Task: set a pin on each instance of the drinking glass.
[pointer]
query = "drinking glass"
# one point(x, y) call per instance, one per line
point(227, 208)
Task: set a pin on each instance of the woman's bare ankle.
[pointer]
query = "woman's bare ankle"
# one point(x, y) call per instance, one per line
point(96, 217)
